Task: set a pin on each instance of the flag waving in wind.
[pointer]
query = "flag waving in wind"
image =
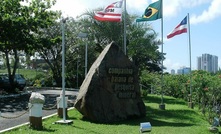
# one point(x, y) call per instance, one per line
point(181, 28)
point(152, 12)
point(111, 13)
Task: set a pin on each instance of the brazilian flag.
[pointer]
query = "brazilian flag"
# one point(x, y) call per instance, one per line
point(152, 12)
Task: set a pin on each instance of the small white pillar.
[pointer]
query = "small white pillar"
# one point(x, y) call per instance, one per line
point(36, 102)
point(60, 106)
point(35, 115)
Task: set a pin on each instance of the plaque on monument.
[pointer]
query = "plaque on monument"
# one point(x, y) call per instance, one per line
point(110, 91)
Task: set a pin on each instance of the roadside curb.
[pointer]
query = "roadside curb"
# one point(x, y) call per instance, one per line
point(35, 89)
point(27, 123)
point(51, 88)
point(15, 95)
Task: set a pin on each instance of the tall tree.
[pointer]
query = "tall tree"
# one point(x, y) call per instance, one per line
point(50, 42)
point(19, 22)
point(143, 47)
point(142, 44)
point(75, 52)
point(50, 49)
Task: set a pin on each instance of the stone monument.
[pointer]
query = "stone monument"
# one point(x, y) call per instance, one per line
point(110, 92)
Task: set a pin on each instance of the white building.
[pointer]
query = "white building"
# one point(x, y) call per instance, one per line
point(183, 70)
point(208, 63)
point(172, 71)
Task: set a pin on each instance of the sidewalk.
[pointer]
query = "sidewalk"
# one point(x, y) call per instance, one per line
point(29, 90)
point(27, 123)
point(15, 104)
point(15, 95)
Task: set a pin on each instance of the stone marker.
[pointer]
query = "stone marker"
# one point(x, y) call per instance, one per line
point(60, 106)
point(110, 92)
point(36, 98)
point(36, 102)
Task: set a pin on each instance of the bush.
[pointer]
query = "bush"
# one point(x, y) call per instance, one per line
point(37, 83)
point(144, 93)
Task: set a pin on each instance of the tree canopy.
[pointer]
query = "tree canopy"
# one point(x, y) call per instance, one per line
point(19, 23)
point(31, 26)
point(142, 44)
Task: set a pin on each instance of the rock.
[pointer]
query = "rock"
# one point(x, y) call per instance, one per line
point(36, 98)
point(110, 91)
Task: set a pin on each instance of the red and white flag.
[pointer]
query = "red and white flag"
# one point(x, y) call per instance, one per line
point(111, 13)
point(181, 28)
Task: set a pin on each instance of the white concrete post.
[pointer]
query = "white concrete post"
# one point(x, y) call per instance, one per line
point(35, 115)
point(60, 106)
point(35, 110)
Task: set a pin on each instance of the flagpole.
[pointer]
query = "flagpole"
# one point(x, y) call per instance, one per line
point(190, 101)
point(162, 105)
point(125, 49)
point(64, 121)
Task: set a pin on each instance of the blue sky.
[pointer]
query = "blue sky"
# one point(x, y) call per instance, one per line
point(205, 18)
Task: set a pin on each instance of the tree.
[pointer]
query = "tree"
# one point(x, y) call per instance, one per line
point(19, 22)
point(75, 52)
point(143, 48)
point(142, 45)
point(51, 50)
point(49, 40)
point(99, 34)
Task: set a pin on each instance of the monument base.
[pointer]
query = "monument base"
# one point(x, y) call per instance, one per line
point(66, 122)
point(60, 112)
point(162, 106)
point(35, 122)
point(190, 105)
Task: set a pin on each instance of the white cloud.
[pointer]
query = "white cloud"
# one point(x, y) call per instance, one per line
point(209, 14)
point(69, 7)
point(77, 7)
point(169, 64)
point(171, 7)
point(219, 63)
point(193, 3)
point(136, 7)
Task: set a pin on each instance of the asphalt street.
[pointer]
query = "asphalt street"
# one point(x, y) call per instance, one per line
point(13, 107)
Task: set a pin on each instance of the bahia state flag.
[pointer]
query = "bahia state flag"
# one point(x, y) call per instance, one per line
point(111, 13)
point(152, 12)
point(179, 29)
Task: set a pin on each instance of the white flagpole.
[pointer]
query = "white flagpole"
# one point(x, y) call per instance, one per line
point(125, 41)
point(191, 105)
point(63, 69)
point(162, 105)
point(64, 121)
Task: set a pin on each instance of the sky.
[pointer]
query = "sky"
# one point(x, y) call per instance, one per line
point(205, 34)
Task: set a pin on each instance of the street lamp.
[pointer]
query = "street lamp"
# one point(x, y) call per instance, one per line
point(84, 35)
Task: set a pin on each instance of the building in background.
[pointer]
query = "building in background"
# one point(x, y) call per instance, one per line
point(183, 70)
point(208, 63)
point(172, 71)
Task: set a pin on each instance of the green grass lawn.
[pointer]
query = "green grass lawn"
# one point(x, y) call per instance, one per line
point(27, 73)
point(176, 119)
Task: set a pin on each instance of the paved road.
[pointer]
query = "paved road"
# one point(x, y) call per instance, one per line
point(15, 106)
